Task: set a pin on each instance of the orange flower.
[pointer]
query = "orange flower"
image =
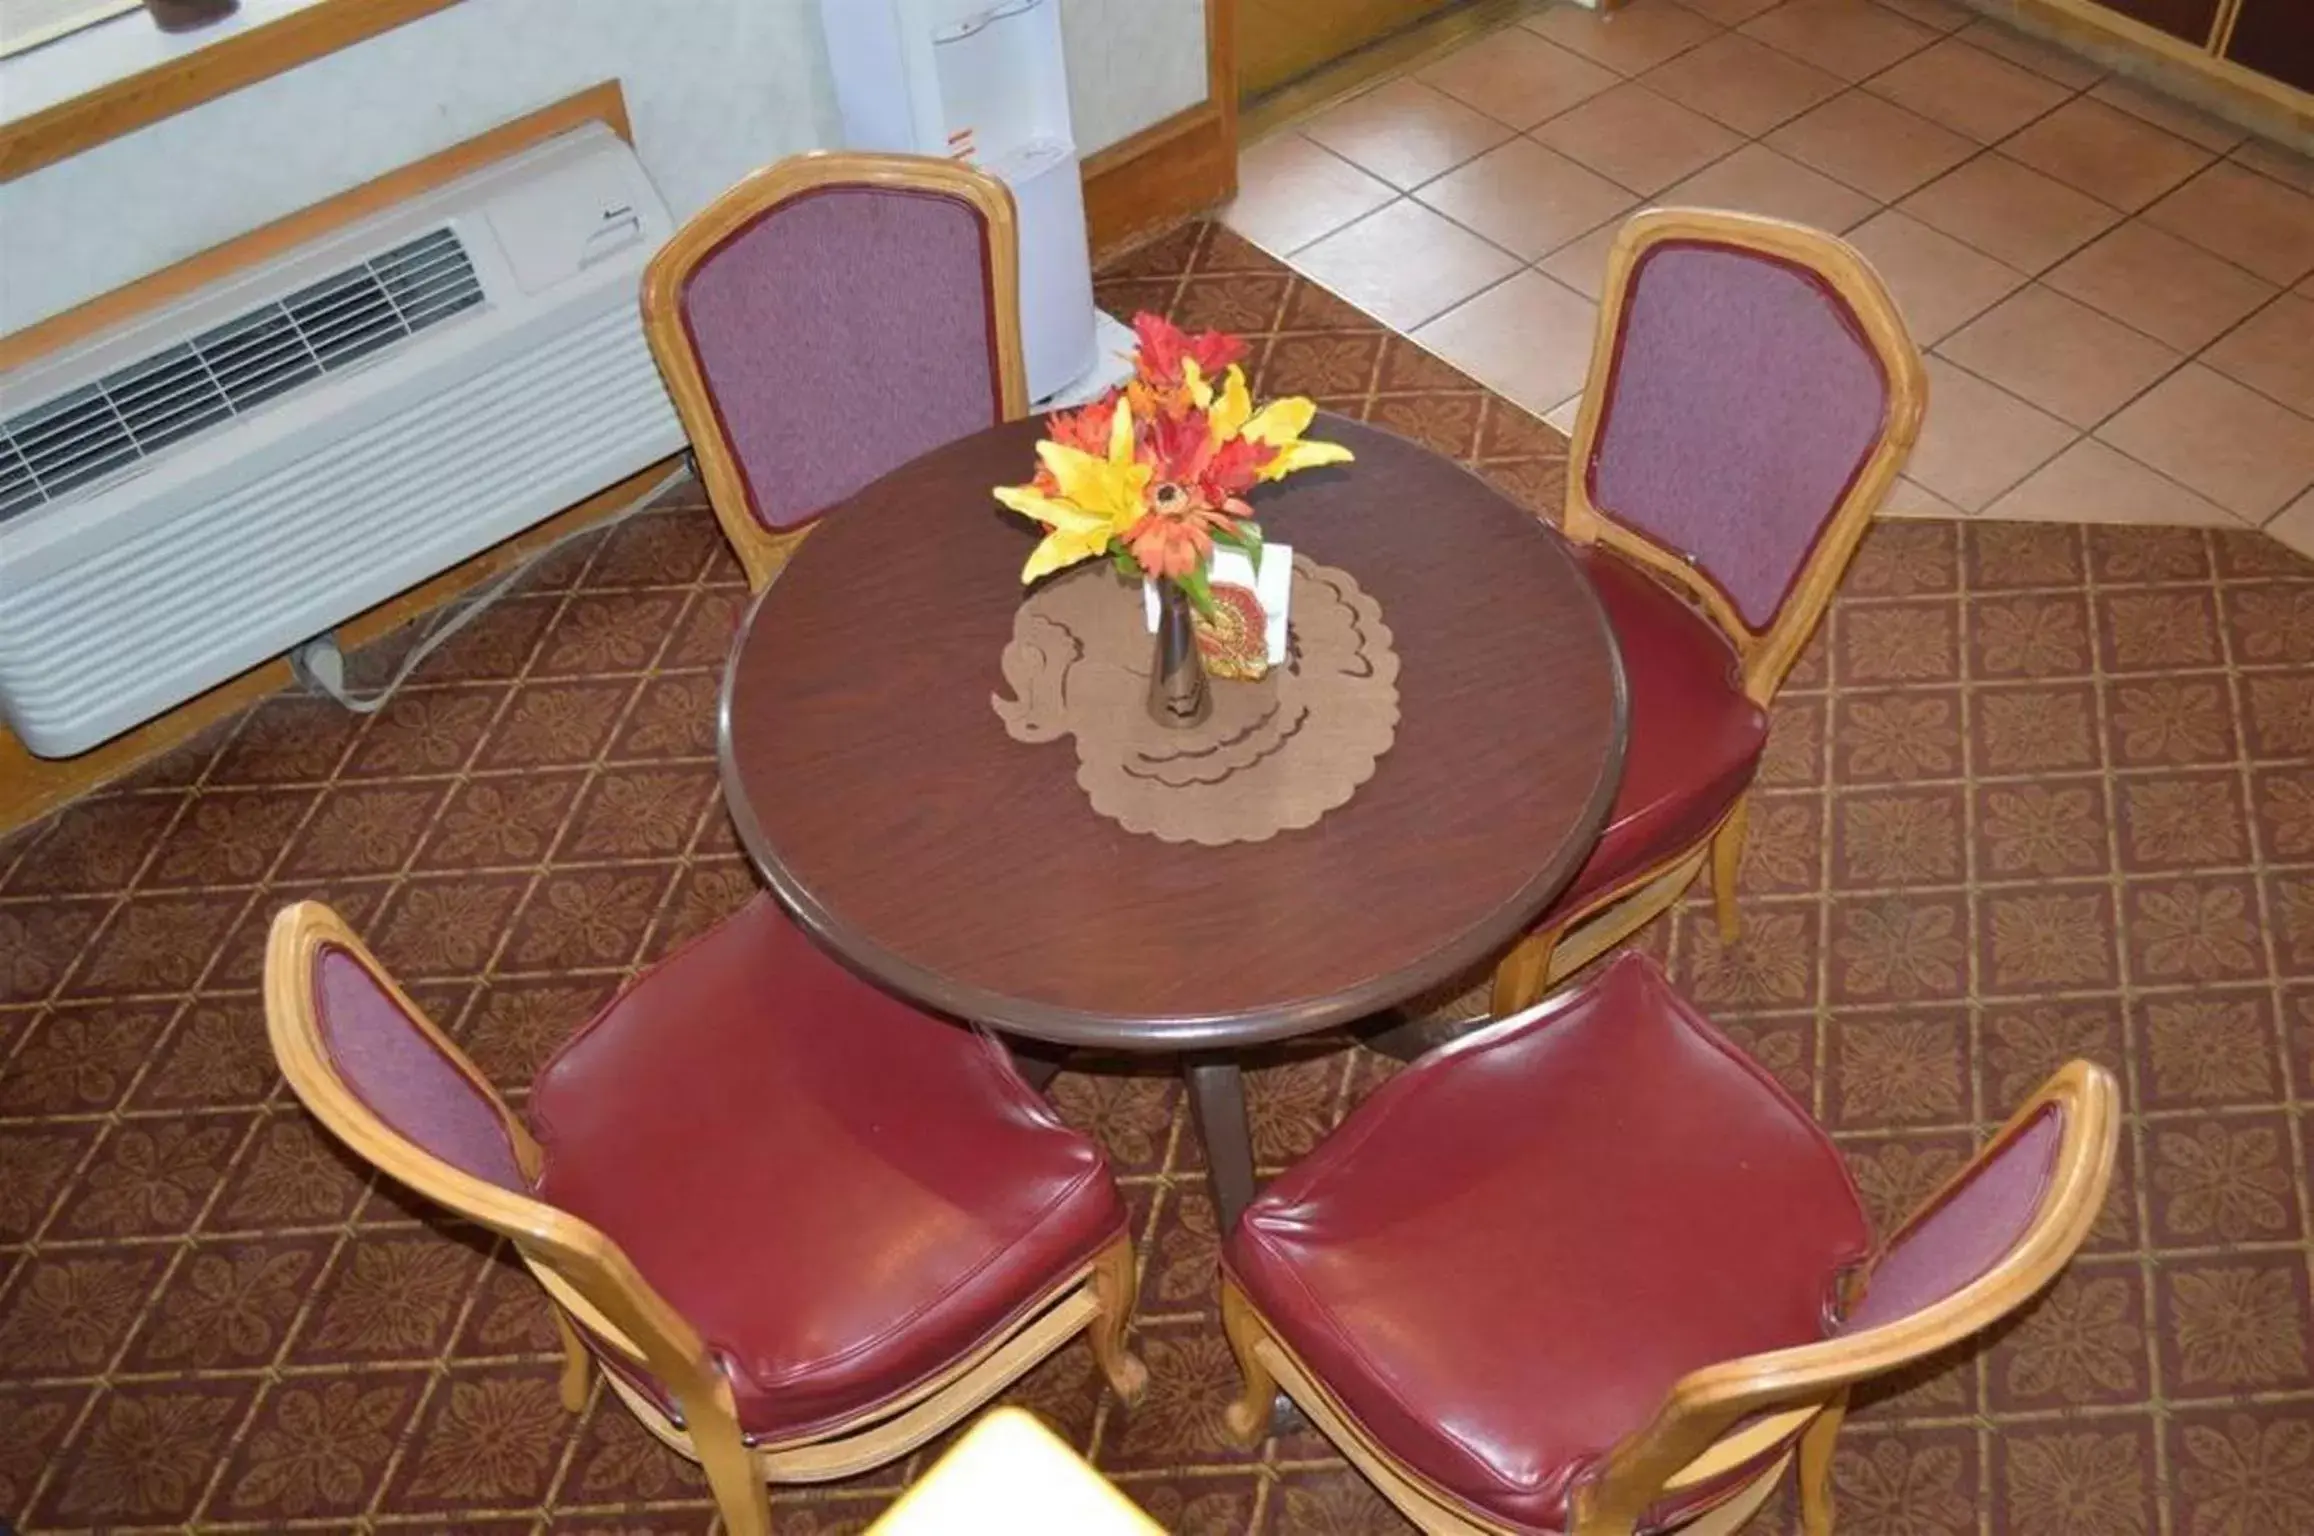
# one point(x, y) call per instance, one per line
point(1175, 535)
point(1158, 471)
point(1085, 429)
point(1196, 490)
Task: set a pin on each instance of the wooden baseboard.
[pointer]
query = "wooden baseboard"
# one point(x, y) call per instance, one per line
point(31, 787)
point(2168, 64)
point(1160, 176)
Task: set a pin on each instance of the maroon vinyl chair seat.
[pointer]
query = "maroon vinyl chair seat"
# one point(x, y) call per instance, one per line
point(843, 1195)
point(1695, 736)
point(1621, 1197)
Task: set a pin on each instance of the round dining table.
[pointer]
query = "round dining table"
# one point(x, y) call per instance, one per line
point(879, 795)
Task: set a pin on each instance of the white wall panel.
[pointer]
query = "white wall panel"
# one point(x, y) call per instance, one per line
point(1132, 63)
point(715, 88)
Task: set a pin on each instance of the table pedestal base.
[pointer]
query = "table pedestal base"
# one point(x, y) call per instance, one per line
point(1037, 1061)
point(1412, 1038)
point(1217, 1109)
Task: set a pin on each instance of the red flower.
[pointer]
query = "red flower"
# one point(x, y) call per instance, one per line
point(1085, 428)
point(1164, 345)
point(1236, 466)
point(1181, 450)
point(1177, 448)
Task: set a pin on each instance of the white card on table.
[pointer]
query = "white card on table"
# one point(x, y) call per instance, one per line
point(1273, 588)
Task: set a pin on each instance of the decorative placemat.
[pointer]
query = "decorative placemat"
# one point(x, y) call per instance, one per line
point(1274, 755)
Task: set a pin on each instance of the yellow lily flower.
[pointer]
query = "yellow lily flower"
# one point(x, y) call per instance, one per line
point(1280, 424)
point(1195, 384)
point(1096, 500)
point(1075, 535)
point(1229, 413)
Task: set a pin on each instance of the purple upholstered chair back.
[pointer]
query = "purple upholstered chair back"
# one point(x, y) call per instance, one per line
point(1742, 402)
point(1976, 1224)
point(389, 1062)
point(841, 333)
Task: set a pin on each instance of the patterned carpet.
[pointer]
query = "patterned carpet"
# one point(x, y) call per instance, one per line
point(2039, 791)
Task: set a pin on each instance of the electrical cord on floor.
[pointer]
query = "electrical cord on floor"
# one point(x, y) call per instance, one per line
point(319, 665)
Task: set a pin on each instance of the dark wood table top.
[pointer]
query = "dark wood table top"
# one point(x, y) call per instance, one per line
point(879, 795)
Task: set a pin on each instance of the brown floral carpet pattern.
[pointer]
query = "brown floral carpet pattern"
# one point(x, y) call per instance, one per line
point(2039, 791)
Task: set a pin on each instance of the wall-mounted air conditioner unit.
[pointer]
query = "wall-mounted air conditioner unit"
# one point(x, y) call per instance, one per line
point(195, 492)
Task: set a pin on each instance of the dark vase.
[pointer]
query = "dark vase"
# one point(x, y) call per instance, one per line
point(185, 15)
point(1177, 692)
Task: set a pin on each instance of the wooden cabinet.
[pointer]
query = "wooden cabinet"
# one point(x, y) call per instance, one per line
point(2276, 38)
point(2192, 20)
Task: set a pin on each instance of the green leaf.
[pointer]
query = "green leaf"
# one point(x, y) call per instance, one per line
point(1126, 565)
point(1200, 594)
point(1246, 537)
point(1249, 540)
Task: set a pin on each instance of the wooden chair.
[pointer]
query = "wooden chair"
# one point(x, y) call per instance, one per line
point(1591, 1271)
point(803, 1226)
point(828, 319)
point(1753, 393)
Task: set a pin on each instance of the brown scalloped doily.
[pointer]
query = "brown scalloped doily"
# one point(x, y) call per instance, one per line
point(1276, 754)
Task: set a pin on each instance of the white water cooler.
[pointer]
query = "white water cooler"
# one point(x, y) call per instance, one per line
point(984, 81)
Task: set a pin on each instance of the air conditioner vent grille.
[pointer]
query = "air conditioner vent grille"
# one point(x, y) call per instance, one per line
point(138, 410)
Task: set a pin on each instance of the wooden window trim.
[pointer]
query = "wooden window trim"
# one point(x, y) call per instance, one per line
point(203, 74)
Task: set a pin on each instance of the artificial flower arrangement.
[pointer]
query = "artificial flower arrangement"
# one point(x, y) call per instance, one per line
point(1155, 475)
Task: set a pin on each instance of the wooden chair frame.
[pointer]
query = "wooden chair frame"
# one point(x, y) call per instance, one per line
point(601, 1300)
point(762, 551)
point(1728, 1416)
point(1765, 656)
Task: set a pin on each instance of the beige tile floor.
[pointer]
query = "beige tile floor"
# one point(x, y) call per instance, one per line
point(2117, 293)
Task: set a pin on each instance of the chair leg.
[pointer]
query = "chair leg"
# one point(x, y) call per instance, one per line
point(1727, 856)
point(1816, 1468)
point(577, 1364)
point(1113, 1284)
point(1247, 1420)
point(1523, 974)
point(732, 1473)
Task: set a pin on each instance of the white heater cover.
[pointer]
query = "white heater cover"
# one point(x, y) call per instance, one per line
point(203, 489)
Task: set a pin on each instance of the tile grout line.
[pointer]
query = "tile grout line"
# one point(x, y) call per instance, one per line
point(83, 1425)
point(2071, 94)
point(1267, 1483)
point(2133, 1074)
point(2080, 435)
point(438, 1368)
point(2294, 1131)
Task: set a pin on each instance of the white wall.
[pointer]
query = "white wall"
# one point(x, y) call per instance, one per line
point(714, 87)
point(1132, 63)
